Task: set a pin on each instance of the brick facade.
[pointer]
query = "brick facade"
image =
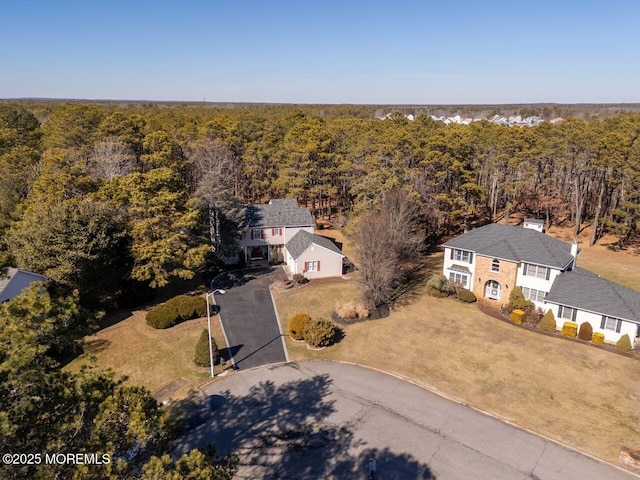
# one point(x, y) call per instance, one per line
point(506, 277)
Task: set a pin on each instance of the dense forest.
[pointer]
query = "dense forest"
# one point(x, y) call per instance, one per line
point(144, 192)
point(109, 201)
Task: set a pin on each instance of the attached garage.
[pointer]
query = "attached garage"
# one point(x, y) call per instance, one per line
point(313, 256)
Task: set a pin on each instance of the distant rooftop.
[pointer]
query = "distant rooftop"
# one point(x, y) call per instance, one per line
point(15, 281)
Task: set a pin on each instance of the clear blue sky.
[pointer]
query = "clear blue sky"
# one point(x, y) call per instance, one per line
point(418, 52)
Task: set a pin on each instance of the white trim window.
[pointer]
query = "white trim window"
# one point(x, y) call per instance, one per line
point(568, 313)
point(611, 323)
point(538, 271)
point(461, 255)
point(313, 266)
point(533, 294)
point(459, 278)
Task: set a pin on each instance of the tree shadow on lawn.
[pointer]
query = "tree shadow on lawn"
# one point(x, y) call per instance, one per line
point(412, 287)
point(283, 431)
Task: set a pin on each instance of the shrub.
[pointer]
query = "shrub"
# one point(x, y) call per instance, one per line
point(351, 311)
point(163, 316)
point(440, 286)
point(598, 338)
point(319, 332)
point(517, 301)
point(466, 295)
point(548, 322)
point(297, 324)
point(202, 357)
point(300, 278)
point(190, 307)
point(624, 343)
point(585, 332)
point(516, 316)
point(570, 329)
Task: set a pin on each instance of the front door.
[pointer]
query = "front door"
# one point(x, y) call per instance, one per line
point(492, 290)
point(256, 252)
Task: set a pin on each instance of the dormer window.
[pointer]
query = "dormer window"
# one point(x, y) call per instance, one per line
point(495, 266)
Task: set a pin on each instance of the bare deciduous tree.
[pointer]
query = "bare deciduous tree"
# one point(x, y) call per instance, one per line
point(110, 158)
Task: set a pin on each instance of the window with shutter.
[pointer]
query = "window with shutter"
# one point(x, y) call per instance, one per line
point(318, 265)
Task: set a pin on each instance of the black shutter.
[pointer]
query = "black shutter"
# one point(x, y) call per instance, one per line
point(603, 322)
point(618, 326)
point(524, 268)
point(573, 314)
point(548, 272)
point(470, 257)
point(451, 254)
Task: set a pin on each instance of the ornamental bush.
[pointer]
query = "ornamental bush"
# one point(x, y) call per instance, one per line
point(517, 301)
point(570, 329)
point(297, 324)
point(163, 316)
point(352, 311)
point(202, 357)
point(598, 338)
point(440, 286)
point(548, 322)
point(319, 332)
point(624, 343)
point(190, 307)
point(585, 332)
point(466, 295)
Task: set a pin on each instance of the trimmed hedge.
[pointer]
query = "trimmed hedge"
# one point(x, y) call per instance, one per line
point(517, 316)
point(598, 338)
point(585, 332)
point(466, 295)
point(297, 324)
point(570, 329)
point(548, 322)
point(624, 343)
point(319, 332)
point(181, 307)
point(202, 358)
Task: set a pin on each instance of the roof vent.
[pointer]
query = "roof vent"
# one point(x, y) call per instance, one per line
point(534, 224)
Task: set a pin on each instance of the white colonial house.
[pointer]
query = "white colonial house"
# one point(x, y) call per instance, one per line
point(15, 281)
point(492, 259)
point(282, 231)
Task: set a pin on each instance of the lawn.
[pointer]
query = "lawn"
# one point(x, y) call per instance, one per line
point(562, 389)
point(160, 360)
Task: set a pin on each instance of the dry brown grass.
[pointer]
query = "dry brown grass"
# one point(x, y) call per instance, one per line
point(555, 387)
point(148, 357)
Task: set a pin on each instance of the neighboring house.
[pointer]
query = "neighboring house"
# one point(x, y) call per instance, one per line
point(313, 255)
point(16, 281)
point(283, 231)
point(491, 260)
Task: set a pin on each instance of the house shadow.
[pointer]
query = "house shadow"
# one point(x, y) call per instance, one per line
point(284, 431)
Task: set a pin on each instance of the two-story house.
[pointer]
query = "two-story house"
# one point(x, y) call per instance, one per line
point(282, 231)
point(492, 259)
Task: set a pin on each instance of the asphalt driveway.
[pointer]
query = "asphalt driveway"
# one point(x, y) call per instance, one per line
point(248, 317)
point(323, 420)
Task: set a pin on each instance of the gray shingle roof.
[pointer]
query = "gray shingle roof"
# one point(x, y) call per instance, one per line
point(278, 212)
point(517, 244)
point(584, 290)
point(303, 239)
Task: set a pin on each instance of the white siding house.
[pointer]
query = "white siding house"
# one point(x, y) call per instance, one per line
point(313, 256)
point(283, 231)
point(547, 274)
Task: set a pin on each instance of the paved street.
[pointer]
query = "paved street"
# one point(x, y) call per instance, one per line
point(324, 420)
point(248, 317)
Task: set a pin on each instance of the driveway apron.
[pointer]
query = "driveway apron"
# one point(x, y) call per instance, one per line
point(248, 317)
